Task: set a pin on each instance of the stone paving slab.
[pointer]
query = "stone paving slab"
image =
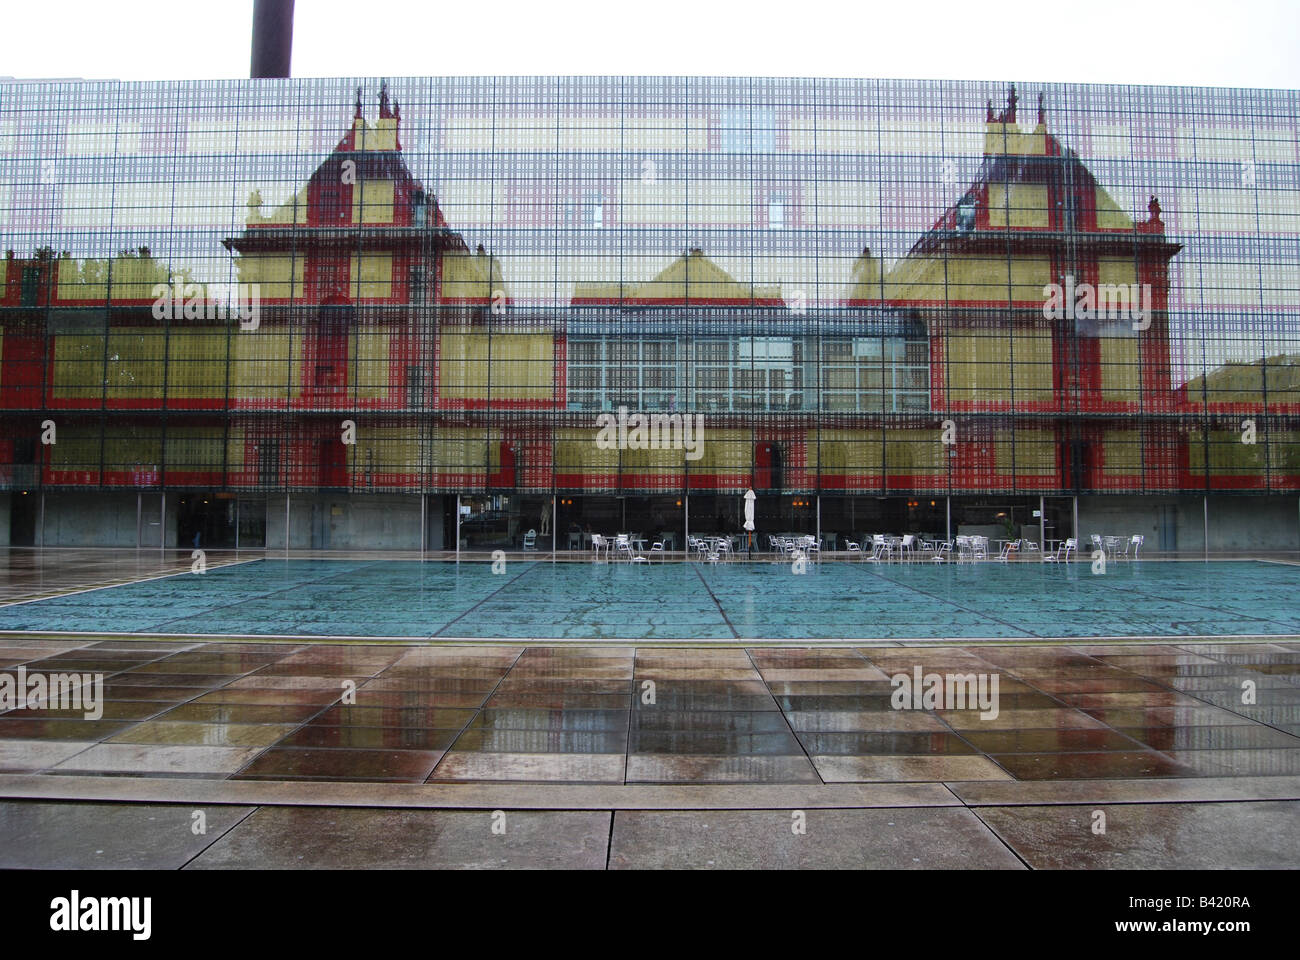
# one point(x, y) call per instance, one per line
point(1257, 835)
point(279, 838)
point(103, 836)
point(905, 839)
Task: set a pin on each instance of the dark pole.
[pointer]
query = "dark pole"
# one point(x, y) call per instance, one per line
point(272, 38)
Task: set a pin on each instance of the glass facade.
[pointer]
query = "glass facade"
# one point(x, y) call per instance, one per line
point(439, 286)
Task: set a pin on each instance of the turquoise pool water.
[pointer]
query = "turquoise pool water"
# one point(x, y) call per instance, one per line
point(538, 599)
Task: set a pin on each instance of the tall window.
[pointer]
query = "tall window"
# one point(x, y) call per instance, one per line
point(776, 211)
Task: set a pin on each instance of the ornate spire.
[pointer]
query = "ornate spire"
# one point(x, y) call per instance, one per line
point(988, 111)
point(1012, 99)
point(357, 114)
point(1153, 224)
point(1042, 111)
point(385, 113)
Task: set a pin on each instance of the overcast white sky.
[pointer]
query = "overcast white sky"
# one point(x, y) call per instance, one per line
point(1244, 43)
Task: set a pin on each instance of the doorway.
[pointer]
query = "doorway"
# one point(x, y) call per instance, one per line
point(206, 521)
point(23, 509)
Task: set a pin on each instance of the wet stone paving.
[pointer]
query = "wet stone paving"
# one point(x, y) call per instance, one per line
point(1148, 718)
point(625, 714)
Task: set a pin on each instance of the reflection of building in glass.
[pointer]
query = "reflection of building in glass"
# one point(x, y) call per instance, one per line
point(557, 258)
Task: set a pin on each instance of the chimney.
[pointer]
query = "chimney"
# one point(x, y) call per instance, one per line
point(272, 39)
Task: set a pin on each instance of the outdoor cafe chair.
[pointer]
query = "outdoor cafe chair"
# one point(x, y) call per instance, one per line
point(626, 552)
point(530, 540)
point(907, 547)
point(883, 548)
point(1137, 541)
point(965, 551)
point(1063, 552)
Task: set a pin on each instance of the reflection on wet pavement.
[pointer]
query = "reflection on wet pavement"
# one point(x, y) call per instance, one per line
point(621, 714)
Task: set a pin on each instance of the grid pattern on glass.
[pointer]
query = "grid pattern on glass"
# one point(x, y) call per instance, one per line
point(878, 286)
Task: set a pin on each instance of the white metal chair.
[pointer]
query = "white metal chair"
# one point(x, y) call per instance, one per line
point(625, 551)
point(883, 549)
point(1063, 552)
point(657, 550)
point(1137, 541)
point(965, 550)
point(907, 547)
point(530, 540)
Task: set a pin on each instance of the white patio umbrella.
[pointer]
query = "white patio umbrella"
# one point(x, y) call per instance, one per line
point(749, 516)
